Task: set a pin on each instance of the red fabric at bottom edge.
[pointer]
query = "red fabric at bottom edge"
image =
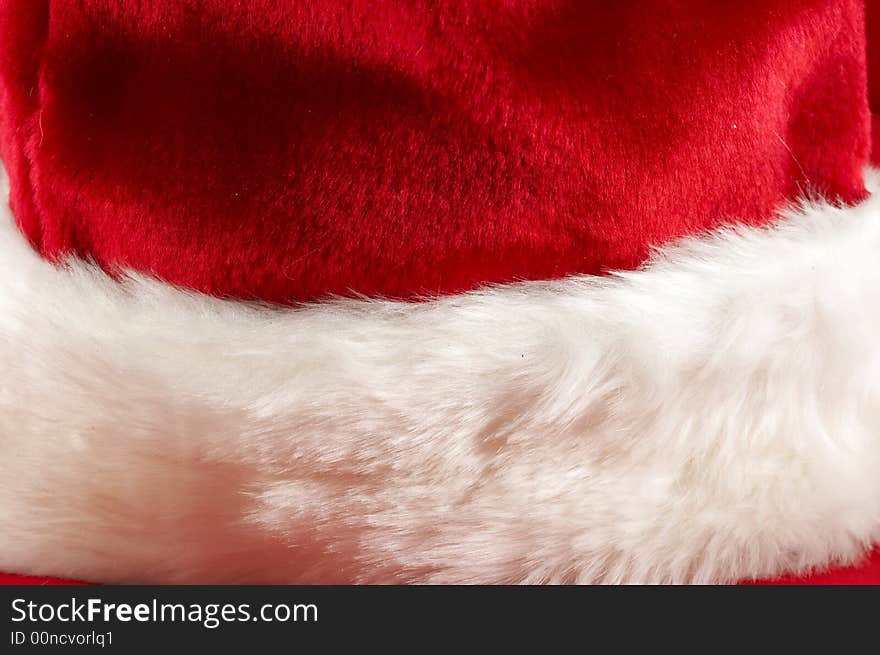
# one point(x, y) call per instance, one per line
point(10, 579)
point(865, 573)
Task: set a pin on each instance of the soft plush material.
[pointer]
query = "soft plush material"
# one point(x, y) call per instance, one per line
point(706, 414)
point(711, 417)
point(289, 150)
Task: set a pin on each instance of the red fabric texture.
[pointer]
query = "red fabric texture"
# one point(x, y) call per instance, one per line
point(286, 151)
point(8, 579)
point(866, 572)
point(872, 21)
point(873, 60)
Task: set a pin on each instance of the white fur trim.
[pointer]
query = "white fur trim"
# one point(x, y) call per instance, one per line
point(713, 417)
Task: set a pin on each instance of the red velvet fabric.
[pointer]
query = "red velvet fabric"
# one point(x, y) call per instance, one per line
point(866, 572)
point(288, 150)
point(872, 21)
point(9, 579)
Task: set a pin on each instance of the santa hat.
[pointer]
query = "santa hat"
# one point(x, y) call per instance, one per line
point(522, 292)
